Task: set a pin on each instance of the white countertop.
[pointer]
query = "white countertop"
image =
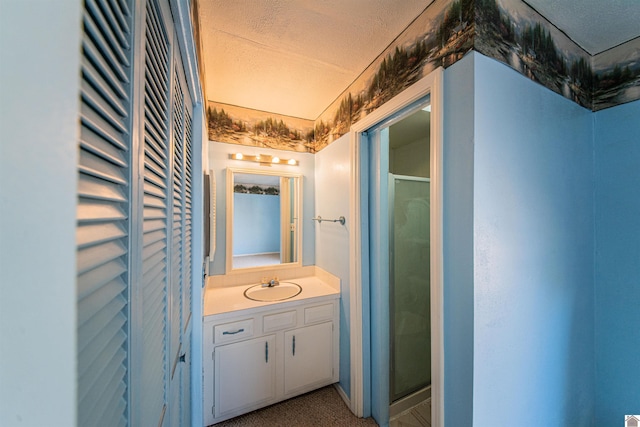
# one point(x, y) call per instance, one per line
point(219, 300)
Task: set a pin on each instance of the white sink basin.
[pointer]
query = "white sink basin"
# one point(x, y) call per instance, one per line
point(283, 291)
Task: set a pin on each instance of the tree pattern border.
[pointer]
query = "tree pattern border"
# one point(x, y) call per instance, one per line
point(509, 31)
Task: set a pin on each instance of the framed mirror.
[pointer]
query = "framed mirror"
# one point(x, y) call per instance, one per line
point(264, 211)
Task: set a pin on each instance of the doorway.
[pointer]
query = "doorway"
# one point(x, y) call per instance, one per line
point(377, 348)
point(399, 260)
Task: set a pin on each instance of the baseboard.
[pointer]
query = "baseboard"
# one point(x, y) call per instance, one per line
point(343, 395)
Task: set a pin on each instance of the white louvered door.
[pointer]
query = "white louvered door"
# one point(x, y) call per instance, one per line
point(103, 214)
point(180, 285)
point(188, 213)
point(134, 212)
point(155, 191)
point(187, 290)
point(177, 214)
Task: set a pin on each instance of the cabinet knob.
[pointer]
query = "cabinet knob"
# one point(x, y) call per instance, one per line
point(182, 357)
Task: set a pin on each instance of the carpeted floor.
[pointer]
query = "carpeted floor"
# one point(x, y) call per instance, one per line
point(320, 408)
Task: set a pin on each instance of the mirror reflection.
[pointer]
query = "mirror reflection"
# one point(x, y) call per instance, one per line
point(262, 218)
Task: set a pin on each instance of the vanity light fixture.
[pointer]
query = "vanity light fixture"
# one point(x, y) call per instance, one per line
point(263, 159)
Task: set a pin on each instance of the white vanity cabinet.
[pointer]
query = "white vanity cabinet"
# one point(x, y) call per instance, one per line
point(246, 374)
point(308, 358)
point(259, 356)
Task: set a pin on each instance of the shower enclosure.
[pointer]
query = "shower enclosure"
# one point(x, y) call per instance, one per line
point(399, 267)
point(409, 288)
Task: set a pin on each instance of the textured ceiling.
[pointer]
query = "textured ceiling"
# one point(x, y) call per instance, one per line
point(595, 25)
point(294, 57)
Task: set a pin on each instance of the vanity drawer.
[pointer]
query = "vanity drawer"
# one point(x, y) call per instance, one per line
point(275, 322)
point(318, 313)
point(233, 331)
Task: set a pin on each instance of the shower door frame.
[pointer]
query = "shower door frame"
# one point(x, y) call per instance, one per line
point(392, 286)
point(360, 400)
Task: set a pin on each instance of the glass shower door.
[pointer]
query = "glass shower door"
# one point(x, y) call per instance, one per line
point(409, 282)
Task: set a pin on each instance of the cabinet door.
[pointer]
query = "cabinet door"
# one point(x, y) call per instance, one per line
point(244, 375)
point(308, 357)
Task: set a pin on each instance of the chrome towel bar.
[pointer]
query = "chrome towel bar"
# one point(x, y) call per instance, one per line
point(341, 220)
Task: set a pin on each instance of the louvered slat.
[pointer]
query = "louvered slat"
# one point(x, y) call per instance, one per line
point(109, 406)
point(93, 188)
point(120, 9)
point(187, 291)
point(102, 35)
point(97, 210)
point(98, 277)
point(153, 120)
point(103, 203)
point(100, 167)
point(177, 250)
point(95, 144)
point(102, 359)
point(94, 61)
point(103, 405)
point(111, 322)
point(104, 364)
point(98, 325)
point(155, 163)
point(95, 256)
point(153, 98)
point(155, 188)
point(97, 92)
point(110, 22)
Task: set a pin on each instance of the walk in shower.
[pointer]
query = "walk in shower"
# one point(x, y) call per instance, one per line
point(409, 292)
point(409, 280)
point(400, 262)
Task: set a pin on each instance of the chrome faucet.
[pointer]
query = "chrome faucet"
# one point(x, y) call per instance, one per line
point(266, 283)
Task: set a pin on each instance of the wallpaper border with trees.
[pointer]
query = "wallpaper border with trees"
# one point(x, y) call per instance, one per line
point(237, 125)
point(509, 31)
point(515, 34)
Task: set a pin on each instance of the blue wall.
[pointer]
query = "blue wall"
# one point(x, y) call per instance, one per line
point(617, 272)
point(256, 223)
point(458, 241)
point(38, 202)
point(332, 171)
point(533, 253)
point(534, 186)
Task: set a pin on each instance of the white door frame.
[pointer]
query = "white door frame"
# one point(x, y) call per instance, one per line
point(431, 84)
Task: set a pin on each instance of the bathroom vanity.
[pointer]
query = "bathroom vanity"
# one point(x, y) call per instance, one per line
point(257, 353)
